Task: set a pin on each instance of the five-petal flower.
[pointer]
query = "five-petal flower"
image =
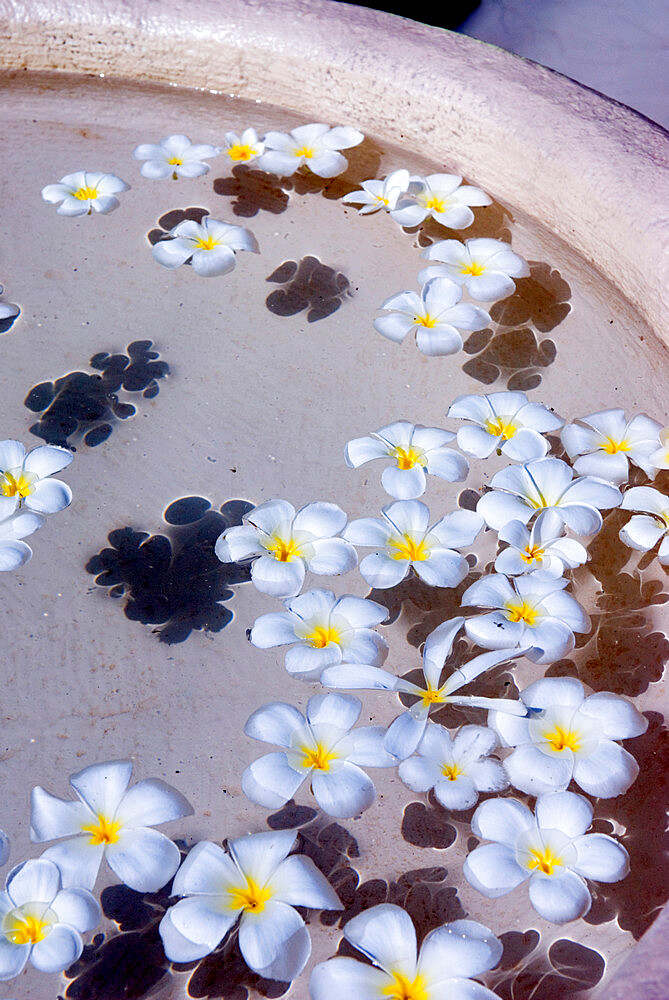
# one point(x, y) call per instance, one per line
point(376, 195)
point(543, 547)
point(644, 531)
point(606, 442)
point(210, 246)
point(444, 197)
point(243, 148)
point(175, 156)
point(486, 267)
point(25, 479)
point(315, 146)
point(506, 422)
point(84, 192)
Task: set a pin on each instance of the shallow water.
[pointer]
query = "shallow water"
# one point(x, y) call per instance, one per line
point(272, 368)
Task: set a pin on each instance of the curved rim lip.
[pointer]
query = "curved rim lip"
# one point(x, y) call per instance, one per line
point(606, 146)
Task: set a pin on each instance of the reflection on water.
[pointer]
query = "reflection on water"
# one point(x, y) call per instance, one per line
point(253, 191)
point(308, 285)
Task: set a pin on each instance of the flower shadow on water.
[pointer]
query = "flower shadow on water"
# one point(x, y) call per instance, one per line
point(81, 405)
point(308, 284)
point(253, 191)
point(176, 583)
point(170, 219)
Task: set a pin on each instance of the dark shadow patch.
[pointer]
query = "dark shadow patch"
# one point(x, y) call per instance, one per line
point(84, 406)
point(7, 322)
point(513, 354)
point(224, 974)
point(425, 826)
point(309, 284)
point(567, 968)
point(542, 299)
point(176, 583)
point(169, 220)
point(253, 191)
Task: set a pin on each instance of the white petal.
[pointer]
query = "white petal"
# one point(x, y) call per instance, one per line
point(320, 519)
point(144, 859)
point(344, 792)
point(274, 943)
point(438, 646)
point(365, 646)
point(359, 676)
point(367, 531)
point(382, 572)
point(525, 445)
point(49, 496)
point(364, 449)
point(535, 772)
point(344, 977)
point(271, 781)
point(202, 921)
point(458, 528)
point(607, 772)
point(58, 950)
point(35, 881)
point(307, 663)
point(549, 691)
point(497, 509)
point(332, 557)
point(78, 908)
point(47, 459)
point(13, 554)
point(438, 341)
point(460, 793)
point(565, 811)
point(179, 948)
point(298, 881)
point(488, 776)
point(493, 869)
point(477, 441)
point(502, 820)
point(79, 861)
point(490, 287)
point(103, 785)
point(258, 854)
point(560, 898)
point(12, 957)
point(386, 934)
point(368, 748)
point(150, 802)
point(209, 263)
point(404, 735)
point(341, 710)
point(278, 579)
point(206, 870)
point(463, 948)
point(394, 326)
point(642, 532)
point(617, 716)
point(404, 484)
point(448, 465)
point(328, 164)
point(419, 773)
point(601, 858)
point(274, 723)
point(444, 568)
point(274, 629)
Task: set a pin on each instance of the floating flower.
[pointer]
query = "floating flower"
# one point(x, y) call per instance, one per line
point(314, 146)
point(521, 491)
point(13, 551)
point(457, 769)
point(544, 547)
point(111, 821)
point(406, 732)
point(434, 316)
point(551, 849)
point(659, 459)
point(325, 631)
point(25, 479)
point(323, 747)
point(415, 450)
point(83, 192)
point(506, 422)
point(243, 148)
point(210, 246)
point(41, 921)
point(404, 540)
point(606, 442)
point(174, 156)
point(530, 611)
point(449, 956)
point(567, 735)
point(288, 544)
point(376, 195)
point(257, 884)
point(486, 267)
point(644, 531)
point(444, 197)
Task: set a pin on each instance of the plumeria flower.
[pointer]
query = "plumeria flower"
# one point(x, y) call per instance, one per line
point(25, 479)
point(243, 148)
point(41, 921)
point(659, 459)
point(529, 611)
point(376, 195)
point(210, 246)
point(449, 956)
point(414, 450)
point(405, 540)
point(287, 544)
point(551, 849)
point(323, 748)
point(568, 735)
point(544, 547)
point(606, 442)
point(314, 146)
point(506, 422)
point(644, 531)
point(456, 768)
point(485, 267)
point(174, 156)
point(110, 820)
point(434, 316)
point(257, 884)
point(406, 732)
point(323, 630)
point(521, 491)
point(85, 192)
point(444, 197)
point(13, 551)
point(8, 310)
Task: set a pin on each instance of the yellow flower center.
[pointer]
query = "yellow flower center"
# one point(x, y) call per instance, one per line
point(407, 547)
point(561, 739)
point(241, 152)
point(284, 550)
point(318, 757)
point(17, 483)
point(531, 552)
point(206, 243)
point(451, 771)
point(426, 320)
point(250, 897)
point(305, 151)
point(436, 204)
point(28, 924)
point(433, 696)
point(612, 447)
point(522, 612)
point(544, 860)
point(86, 194)
point(105, 831)
point(402, 988)
point(476, 270)
point(174, 161)
point(384, 201)
point(407, 457)
point(321, 635)
point(501, 427)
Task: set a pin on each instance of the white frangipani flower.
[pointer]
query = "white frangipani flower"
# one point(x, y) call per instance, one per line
point(376, 195)
point(406, 732)
point(444, 197)
point(323, 747)
point(551, 849)
point(434, 316)
point(13, 551)
point(506, 422)
point(659, 459)
point(486, 267)
point(568, 735)
point(544, 547)
point(210, 245)
point(257, 884)
point(288, 543)
point(113, 821)
point(606, 442)
point(84, 192)
point(644, 531)
point(456, 768)
point(243, 148)
point(25, 479)
point(324, 630)
point(415, 450)
point(405, 540)
point(449, 956)
point(41, 921)
point(521, 491)
point(530, 611)
point(315, 146)
point(175, 156)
